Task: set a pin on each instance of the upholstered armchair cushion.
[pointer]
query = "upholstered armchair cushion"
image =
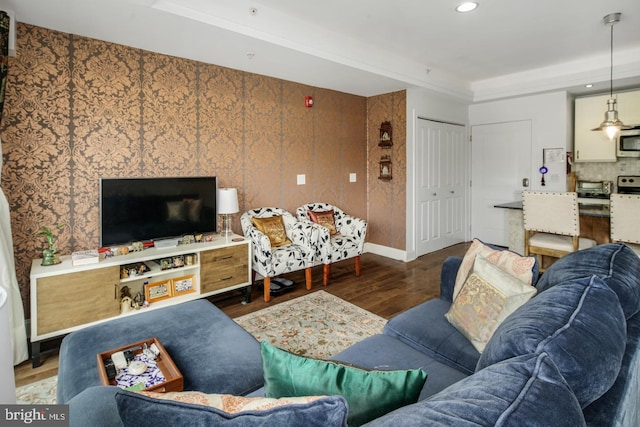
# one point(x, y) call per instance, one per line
point(348, 241)
point(271, 261)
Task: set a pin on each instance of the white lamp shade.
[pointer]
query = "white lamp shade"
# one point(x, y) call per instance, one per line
point(227, 201)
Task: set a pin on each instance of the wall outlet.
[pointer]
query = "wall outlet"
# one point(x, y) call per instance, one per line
point(352, 177)
point(302, 179)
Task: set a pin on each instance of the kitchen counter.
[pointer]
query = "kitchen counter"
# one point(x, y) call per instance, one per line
point(594, 223)
point(585, 209)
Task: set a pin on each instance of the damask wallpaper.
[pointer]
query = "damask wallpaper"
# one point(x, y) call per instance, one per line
point(78, 109)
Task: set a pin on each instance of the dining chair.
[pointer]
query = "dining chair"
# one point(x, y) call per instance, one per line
point(624, 212)
point(552, 225)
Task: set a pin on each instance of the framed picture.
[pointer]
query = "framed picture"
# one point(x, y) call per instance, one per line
point(184, 285)
point(158, 291)
point(386, 135)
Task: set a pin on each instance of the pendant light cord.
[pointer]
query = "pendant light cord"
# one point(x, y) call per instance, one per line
point(611, 68)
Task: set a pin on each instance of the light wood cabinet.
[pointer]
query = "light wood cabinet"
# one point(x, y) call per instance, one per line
point(222, 268)
point(590, 146)
point(74, 299)
point(66, 298)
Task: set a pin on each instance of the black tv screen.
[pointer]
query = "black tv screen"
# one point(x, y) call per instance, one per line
point(144, 209)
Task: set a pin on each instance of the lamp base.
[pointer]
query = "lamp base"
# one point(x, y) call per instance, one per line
point(226, 226)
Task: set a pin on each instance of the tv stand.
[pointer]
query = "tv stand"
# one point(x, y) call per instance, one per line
point(67, 298)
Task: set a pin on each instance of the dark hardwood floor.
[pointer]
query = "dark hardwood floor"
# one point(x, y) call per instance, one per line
point(385, 287)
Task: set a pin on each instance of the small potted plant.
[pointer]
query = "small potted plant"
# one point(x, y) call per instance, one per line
point(50, 255)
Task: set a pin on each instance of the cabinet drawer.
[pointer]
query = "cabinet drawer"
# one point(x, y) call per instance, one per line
point(222, 268)
point(74, 299)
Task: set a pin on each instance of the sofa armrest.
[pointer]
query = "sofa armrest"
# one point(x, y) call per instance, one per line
point(448, 277)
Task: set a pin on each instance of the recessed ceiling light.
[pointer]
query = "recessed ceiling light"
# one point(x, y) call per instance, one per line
point(588, 85)
point(466, 7)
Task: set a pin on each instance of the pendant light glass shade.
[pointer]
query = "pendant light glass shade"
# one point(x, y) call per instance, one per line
point(611, 125)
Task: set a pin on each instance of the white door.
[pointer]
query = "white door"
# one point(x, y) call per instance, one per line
point(440, 187)
point(501, 168)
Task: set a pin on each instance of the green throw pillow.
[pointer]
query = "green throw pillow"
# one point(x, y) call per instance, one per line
point(370, 394)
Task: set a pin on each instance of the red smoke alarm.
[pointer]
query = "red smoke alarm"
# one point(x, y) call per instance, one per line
point(308, 101)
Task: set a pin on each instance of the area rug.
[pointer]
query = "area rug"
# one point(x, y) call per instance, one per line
point(316, 325)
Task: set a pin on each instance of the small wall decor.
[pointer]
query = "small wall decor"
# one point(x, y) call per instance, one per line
point(385, 168)
point(386, 135)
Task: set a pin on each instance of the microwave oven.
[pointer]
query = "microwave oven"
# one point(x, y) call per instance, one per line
point(628, 144)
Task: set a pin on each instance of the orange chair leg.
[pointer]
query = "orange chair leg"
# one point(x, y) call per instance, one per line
point(307, 277)
point(325, 274)
point(267, 289)
point(358, 266)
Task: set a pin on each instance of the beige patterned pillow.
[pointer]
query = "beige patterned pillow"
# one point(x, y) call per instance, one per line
point(520, 267)
point(487, 297)
point(229, 403)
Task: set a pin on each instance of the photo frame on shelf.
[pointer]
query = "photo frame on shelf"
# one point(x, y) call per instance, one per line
point(158, 291)
point(184, 285)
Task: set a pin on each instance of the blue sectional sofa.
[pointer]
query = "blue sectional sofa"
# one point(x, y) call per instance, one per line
point(568, 357)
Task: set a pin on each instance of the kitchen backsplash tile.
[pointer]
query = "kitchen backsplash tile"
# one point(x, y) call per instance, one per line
point(607, 171)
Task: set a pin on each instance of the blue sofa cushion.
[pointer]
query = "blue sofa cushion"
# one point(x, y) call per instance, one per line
point(580, 324)
point(619, 406)
point(220, 359)
point(369, 394)
point(382, 352)
point(142, 411)
point(425, 328)
point(615, 263)
point(524, 391)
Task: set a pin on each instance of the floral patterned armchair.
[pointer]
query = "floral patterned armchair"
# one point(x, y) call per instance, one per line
point(347, 242)
point(270, 261)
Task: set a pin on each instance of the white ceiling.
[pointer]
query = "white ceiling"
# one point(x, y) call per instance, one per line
point(368, 47)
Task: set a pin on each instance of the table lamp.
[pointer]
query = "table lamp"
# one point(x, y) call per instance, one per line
point(227, 204)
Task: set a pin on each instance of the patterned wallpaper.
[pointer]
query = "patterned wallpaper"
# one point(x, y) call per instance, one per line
point(387, 199)
point(78, 109)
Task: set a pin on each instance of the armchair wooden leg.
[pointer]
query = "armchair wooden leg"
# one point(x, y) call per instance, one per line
point(307, 278)
point(267, 289)
point(325, 274)
point(358, 266)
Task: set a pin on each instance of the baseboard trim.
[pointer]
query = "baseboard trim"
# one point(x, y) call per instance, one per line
point(393, 253)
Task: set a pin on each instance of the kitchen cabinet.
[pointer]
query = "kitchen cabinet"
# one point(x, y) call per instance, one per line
point(590, 146)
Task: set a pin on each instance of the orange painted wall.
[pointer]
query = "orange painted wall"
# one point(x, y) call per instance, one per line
point(78, 109)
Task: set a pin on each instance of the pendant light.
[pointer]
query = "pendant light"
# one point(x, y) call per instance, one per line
point(611, 124)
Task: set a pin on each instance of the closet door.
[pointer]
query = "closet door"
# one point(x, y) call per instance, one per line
point(440, 188)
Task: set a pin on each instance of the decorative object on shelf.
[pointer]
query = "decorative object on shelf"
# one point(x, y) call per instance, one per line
point(184, 285)
point(190, 259)
point(137, 246)
point(227, 205)
point(385, 168)
point(50, 255)
point(188, 239)
point(386, 135)
point(157, 291)
point(90, 256)
point(133, 270)
point(611, 124)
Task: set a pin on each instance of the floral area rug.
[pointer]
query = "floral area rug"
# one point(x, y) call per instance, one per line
point(317, 325)
point(42, 392)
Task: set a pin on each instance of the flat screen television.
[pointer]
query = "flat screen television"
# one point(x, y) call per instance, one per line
point(145, 209)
